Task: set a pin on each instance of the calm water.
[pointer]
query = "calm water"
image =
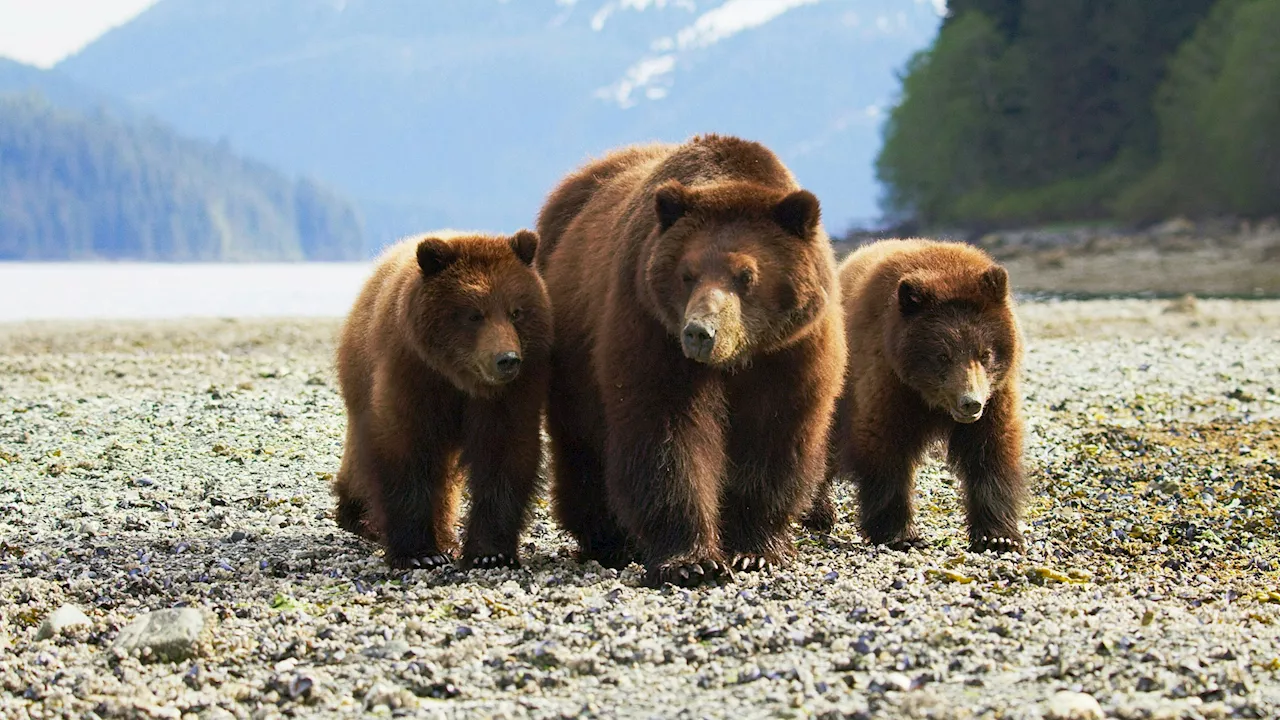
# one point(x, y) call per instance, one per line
point(39, 291)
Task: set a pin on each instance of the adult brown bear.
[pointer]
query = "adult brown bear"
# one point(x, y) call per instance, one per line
point(698, 357)
point(934, 353)
point(443, 365)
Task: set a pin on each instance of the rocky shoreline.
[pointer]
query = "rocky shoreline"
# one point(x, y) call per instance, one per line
point(153, 466)
point(1224, 258)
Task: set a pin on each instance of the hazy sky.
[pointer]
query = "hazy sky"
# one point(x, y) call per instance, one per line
point(42, 32)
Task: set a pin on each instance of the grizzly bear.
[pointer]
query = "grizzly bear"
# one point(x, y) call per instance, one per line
point(698, 357)
point(443, 365)
point(934, 352)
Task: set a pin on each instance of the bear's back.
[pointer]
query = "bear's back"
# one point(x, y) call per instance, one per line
point(370, 323)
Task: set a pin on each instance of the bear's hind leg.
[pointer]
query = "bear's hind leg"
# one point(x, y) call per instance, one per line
point(580, 502)
point(987, 455)
point(821, 515)
point(581, 505)
point(351, 512)
point(350, 516)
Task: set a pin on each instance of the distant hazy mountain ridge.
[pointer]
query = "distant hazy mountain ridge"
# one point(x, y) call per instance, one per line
point(465, 112)
point(79, 186)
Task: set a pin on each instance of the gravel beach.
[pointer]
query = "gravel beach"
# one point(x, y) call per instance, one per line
point(169, 482)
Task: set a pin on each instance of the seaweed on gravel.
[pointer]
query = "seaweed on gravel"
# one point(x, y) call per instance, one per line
point(1174, 497)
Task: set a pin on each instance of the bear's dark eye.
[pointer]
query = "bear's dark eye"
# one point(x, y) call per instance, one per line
point(989, 357)
point(745, 279)
point(475, 316)
point(516, 314)
point(943, 357)
point(688, 278)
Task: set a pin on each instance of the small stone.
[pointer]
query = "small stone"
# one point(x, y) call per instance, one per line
point(1068, 705)
point(90, 527)
point(897, 681)
point(170, 635)
point(1215, 710)
point(300, 687)
point(392, 650)
point(192, 678)
point(61, 620)
point(389, 696)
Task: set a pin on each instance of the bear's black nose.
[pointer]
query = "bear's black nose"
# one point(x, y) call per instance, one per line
point(698, 340)
point(970, 405)
point(507, 365)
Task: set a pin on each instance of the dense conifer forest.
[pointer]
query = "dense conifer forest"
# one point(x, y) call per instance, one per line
point(1041, 111)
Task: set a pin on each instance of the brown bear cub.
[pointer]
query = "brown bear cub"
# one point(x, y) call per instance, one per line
point(443, 366)
point(698, 357)
point(934, 351)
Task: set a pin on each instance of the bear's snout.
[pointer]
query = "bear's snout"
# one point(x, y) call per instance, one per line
point(972, 400)
point(969, 409)
point(698, 340)
point(506, 366)
point(712, 332)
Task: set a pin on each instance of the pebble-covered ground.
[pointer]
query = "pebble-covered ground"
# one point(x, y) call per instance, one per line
point(149, 467)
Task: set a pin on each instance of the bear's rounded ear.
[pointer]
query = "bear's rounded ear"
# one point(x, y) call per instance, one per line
point(525, 245)
point(911, 297)
point(798, 213)
point(671, 202)
point(995, 283)
point(434, 255)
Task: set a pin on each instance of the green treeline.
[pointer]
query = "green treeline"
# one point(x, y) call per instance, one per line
point(79, 186)
point(1033, 111)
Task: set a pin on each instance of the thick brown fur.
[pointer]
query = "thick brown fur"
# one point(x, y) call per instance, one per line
point(699, 353)
point(933, 341)
point(443, 365)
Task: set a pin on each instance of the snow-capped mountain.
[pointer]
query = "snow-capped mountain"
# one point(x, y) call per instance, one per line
point(464, 113)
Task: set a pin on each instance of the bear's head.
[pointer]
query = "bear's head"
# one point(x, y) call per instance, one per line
point(479, 312)
point(735, 269)
point(954, 337)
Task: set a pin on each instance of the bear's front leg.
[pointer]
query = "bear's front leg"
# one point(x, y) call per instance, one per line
point(882, 450)
point(759, 503)
point(501, 449)
point(664, 462)
point(781, 411)
point(987, 455)
point(411, 487)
